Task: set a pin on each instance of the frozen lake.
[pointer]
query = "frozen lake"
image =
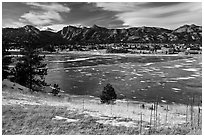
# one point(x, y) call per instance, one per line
point(170, 78)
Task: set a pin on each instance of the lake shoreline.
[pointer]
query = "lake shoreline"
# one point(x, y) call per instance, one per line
point(103, 52)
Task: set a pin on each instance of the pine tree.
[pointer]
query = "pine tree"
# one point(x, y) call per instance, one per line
point(55, 90)
point(108, 94)
point(30, 70)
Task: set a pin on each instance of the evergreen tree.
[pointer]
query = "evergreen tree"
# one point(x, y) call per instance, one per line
point(55, 90)
point(108, 94)
point(30, 70)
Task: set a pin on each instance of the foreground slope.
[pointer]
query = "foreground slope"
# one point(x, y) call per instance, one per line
point(38, 113)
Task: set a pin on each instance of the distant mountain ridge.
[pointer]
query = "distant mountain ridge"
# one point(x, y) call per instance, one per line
point(96, 34)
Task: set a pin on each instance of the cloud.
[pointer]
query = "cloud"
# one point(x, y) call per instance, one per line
point(13, 24)
point(44, 13)
point(169, 15)
point(117, 6)
point(49, 7)
point(58, 27)
point(55, 27)
point(112, 14)
point(41, 18)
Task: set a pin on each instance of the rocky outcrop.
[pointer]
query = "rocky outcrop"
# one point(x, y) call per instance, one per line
point(96, 34)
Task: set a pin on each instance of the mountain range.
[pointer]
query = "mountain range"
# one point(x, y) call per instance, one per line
point(96, 34)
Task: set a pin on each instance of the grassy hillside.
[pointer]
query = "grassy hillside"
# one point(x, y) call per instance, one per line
point(40, 113)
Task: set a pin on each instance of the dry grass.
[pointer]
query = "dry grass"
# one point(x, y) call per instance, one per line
point(38, 120)
point(26, 113)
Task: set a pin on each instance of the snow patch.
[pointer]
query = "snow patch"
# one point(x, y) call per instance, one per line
point(168, 67)
point(164, 101)
point(117, 123)
point(66, 119)
point(191, 69)
point(178, 66)
point(183, 78)
point(176, 89)
point(147, 64)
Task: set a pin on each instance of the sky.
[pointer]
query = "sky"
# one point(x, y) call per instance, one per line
point(170, 15)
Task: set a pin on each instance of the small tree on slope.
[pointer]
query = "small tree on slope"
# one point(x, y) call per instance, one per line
point(108, 94)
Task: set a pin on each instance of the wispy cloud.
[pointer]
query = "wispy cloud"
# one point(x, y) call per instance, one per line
point(112, 14)
point(169, 15)
point(49, 6)
point(44, 13)
point(42, 18)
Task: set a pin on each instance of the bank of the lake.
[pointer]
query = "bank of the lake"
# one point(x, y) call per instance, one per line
point(43, 114)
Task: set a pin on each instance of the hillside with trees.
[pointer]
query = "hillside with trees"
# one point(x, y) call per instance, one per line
point(96, 34)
